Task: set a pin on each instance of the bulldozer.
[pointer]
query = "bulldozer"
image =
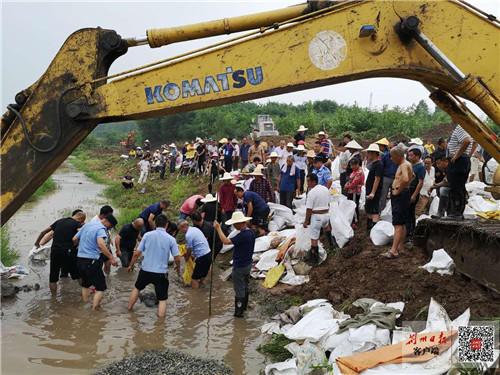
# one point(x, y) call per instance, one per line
point(451, 47)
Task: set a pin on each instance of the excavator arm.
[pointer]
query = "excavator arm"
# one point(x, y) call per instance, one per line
point(446, 45)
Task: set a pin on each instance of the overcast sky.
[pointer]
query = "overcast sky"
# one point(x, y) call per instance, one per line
point(33, 32)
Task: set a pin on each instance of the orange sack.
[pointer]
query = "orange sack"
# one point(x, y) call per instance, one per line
point(420, 347)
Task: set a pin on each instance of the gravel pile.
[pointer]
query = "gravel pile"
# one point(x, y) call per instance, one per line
point(166, 362)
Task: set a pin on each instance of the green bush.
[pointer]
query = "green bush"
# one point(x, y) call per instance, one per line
point(47, 187)
point(275, 348)
point(8, 256)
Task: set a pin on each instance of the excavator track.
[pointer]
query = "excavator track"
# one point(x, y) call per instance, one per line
point(474, 245)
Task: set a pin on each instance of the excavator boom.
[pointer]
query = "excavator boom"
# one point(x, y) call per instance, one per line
point(448, 46)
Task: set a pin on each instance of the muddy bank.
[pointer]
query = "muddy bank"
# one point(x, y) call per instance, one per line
point(358, 271)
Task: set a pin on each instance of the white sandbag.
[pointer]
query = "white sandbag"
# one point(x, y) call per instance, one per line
point(270, 328)
point(386, 214)
point(281, 210)
point(441, 263)
point(362, 198)
point(469, 213)
point(300, 215)
point(41, 253)
point(335, 170)
point(277, 223)
point(288, 367)
point(287, 232)
point(341, 215)
point(302, 238)
point(479, 204)
point(433, 209)
point(308, 355)
point(382, 233)
point(292, 279)
point(267, 260)
point(313, 325)
point(262, 244)
point(227, 248)
point(475, 188)
point(299, 201)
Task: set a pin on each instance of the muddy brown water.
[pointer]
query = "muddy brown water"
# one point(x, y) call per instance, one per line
point(42, 334)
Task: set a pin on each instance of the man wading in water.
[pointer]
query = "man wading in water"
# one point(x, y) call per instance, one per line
point(244, 243)
point(156, 246)
point(62, 252)
point(91, 241)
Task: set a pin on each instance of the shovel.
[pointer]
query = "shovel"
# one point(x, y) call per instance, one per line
point(275, 273)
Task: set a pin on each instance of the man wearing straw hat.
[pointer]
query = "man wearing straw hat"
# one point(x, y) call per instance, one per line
point(210, 210)
point(261, 185)
point(244, 243)
point(300, 136)
point(373, 185)
point(273, 172)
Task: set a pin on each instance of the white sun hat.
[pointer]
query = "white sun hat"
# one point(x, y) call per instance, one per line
point(322, 133)
point(354, 145)
point(209, 198)
point(258, 170)
point(290, 144)
point(301, 148)
point(416, 141)
point(238, 217)
point(172, 145)
point(274, 155)
point(226, 177)
point(373, 147)
point(302, 128)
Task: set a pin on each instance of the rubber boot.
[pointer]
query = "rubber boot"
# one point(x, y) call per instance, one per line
point(369, 225)
point(314, 256)
point(238, 307)
point(245, 302)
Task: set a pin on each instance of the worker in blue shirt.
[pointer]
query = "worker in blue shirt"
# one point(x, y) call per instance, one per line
point(150, 212)
point(156, 246)
point(323, 173)
point(255, 207)
point(197, 247)
point(91, 242)
point(244, 243)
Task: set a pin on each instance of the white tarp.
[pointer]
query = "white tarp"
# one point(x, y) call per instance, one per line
point(40, 253)
point(441, 263)
point(382, 233)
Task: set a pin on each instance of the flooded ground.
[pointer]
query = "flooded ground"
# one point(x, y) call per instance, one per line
point(43, 334)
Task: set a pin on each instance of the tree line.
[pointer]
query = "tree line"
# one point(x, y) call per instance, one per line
point(236, 120)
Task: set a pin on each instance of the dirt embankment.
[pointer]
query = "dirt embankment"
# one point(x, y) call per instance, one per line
point(358, 271)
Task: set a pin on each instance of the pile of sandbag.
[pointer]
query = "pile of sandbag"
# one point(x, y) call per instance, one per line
point(369, 343)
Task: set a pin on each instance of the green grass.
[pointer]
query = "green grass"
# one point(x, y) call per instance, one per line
point(275, 348)
point(106, 167)
point(8, 256)
point(47, 187)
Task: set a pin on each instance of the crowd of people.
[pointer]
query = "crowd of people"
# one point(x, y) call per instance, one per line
point(250, 176)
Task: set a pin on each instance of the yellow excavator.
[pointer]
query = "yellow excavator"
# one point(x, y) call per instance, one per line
point(451, 47)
